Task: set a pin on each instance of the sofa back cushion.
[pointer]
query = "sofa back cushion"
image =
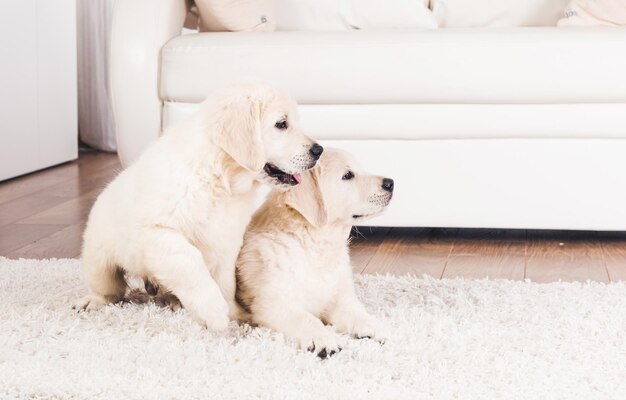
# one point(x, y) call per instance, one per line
point(333, 15)
point(236, 15)
point(595, 13)
point(497, 13)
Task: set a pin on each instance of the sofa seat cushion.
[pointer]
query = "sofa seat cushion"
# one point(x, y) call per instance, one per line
point(497, 13)
point(489, 66)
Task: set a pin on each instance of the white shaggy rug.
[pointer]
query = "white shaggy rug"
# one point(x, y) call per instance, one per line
point(450, 339)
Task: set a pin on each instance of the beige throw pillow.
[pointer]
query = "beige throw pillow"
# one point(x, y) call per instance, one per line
point(497, 13)
point(595, 13)
point(236, 15)
point(331, 15)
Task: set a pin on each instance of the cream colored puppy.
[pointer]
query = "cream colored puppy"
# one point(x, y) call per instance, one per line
point(293, 271)
point(178, 214)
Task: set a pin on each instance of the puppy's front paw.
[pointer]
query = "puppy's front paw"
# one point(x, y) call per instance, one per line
point(369, 328)
point(324, 343)
point(215, 320)
point(90, 302)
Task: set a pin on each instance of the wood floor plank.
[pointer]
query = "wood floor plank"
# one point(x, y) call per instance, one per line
point(69, 212)
point(495, 259)
point(65, 243)
point(78, 187)
point(14, 236)
point(363, 246)
point(92, 161)
point(24, 207)
point(20, 187)
point(614, 252)
point(87, 181)
point(58, 177)
point(410, 251)
point(567, 259)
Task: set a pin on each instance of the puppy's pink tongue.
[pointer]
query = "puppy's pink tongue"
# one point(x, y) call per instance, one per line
point(297, 178)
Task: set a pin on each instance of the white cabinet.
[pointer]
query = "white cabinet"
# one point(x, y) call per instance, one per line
point(38, 112)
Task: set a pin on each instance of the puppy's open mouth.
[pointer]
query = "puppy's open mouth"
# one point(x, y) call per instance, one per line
point(281, 176)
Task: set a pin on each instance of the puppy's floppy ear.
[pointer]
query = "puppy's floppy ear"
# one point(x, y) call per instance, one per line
point(307, 198)
point(238, 130)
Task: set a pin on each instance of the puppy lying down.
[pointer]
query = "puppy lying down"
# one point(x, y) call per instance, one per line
point(293, 271)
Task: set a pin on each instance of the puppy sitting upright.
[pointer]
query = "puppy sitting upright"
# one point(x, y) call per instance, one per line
point(178, 214)
point(293, 271)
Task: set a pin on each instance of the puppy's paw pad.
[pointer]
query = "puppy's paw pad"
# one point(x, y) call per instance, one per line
point(324, 353)
point(325, 346)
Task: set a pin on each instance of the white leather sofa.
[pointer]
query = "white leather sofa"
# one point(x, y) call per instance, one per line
point(497, 128)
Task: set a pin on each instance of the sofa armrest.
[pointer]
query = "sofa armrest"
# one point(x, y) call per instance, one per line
point(139, 29)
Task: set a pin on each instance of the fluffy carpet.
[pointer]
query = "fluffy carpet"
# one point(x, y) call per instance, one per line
point(450, 339)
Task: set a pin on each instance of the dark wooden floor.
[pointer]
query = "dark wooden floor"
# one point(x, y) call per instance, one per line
point(42, 215)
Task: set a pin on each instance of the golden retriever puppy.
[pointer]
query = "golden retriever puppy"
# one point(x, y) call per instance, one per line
point(293, 271)
point(178, 214)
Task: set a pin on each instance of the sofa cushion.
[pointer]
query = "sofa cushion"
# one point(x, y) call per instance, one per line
point(514, 65)
point(326, 15)
point(497, 13)
point(594, 13)
point(236, 15)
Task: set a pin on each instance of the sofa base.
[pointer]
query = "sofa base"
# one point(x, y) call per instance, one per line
point(506, 183)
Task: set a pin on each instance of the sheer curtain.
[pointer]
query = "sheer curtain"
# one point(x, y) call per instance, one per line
point(95, 121)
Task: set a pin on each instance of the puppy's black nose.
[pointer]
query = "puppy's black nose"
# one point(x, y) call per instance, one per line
point(316, 151)
point(388, 184)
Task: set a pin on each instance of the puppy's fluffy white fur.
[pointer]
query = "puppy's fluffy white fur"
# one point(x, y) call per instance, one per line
point(178, 214)
point(293, 271)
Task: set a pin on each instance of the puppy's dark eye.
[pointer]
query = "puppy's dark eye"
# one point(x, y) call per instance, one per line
point(348, 175)
point(282, 124)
